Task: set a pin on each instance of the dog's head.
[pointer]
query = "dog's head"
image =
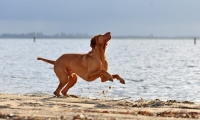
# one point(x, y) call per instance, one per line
point(100, 40)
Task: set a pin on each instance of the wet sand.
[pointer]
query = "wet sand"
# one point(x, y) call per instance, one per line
point(41, 107)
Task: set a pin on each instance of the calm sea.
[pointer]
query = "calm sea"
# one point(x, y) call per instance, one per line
point(153, 69)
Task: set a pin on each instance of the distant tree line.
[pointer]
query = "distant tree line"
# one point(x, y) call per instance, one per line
point(41, 35)
point(80, 35)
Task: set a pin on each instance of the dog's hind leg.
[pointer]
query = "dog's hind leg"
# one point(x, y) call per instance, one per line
point(63, 82)
point(63, 79)
point(71, 82)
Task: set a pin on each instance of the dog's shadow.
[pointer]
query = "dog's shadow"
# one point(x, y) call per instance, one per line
point(58, 101)
point(61, 97)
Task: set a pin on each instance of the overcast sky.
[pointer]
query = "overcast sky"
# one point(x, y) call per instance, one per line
point(121, 17)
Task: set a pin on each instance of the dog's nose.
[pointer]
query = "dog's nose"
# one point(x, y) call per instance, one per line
point(108, 33)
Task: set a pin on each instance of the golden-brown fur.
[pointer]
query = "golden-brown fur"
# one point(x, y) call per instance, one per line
point(88, 66)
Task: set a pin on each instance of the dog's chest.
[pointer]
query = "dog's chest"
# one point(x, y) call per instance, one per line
point(104, 65)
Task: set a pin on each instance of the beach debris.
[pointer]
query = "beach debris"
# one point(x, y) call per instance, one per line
point(8, 116)
point(178, 114)
point(174, 101)
point(80, 117)
point(31, 104)
point(103, 92)
point(140, 100)
point(187, 102)
point(4, 106)
point(102, 106)
point(126, 103)
point(88, 90)
point(124, 98)
point(81, 89)
point(156, 103)
point(73, 96)
point(174, 114)
point(62, 117)
point(146, 113)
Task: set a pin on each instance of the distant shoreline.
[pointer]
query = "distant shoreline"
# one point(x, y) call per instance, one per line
point(86, 36)
point(131, 38)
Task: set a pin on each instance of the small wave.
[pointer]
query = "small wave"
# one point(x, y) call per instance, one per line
point(168, 87)
point(191, 66)
point(141, 80)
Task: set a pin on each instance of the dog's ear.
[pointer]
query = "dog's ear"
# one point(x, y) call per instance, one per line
point(93, 42)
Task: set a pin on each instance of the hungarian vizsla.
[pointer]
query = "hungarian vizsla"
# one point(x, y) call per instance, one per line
point(88, 66)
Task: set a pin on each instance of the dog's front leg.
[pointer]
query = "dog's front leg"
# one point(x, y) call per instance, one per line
point(104, 78)
point(116, 76)
point(100, 73)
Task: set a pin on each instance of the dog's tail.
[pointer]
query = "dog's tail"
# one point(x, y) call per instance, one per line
point(46, 60)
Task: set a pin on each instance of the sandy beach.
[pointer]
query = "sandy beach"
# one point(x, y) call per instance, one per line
point(40, 107)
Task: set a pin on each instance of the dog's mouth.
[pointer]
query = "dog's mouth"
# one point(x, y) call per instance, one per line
point(106, 42)
point(108, 36)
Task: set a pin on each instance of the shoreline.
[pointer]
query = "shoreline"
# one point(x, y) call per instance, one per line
point(14, 106)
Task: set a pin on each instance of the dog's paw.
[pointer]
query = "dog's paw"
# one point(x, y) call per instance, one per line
point(122, 81)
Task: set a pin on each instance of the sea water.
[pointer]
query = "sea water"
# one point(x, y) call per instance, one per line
point(152, 69)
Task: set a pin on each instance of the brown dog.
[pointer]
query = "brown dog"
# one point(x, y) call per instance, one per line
point(88, 66)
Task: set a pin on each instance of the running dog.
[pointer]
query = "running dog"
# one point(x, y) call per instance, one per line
point(88, 66)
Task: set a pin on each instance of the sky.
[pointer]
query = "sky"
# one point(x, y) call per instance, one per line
point(120, 17)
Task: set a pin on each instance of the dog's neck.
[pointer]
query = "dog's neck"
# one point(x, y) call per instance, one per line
point(98, 52)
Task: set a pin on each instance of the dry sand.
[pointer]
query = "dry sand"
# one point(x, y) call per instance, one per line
point(48, 107)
